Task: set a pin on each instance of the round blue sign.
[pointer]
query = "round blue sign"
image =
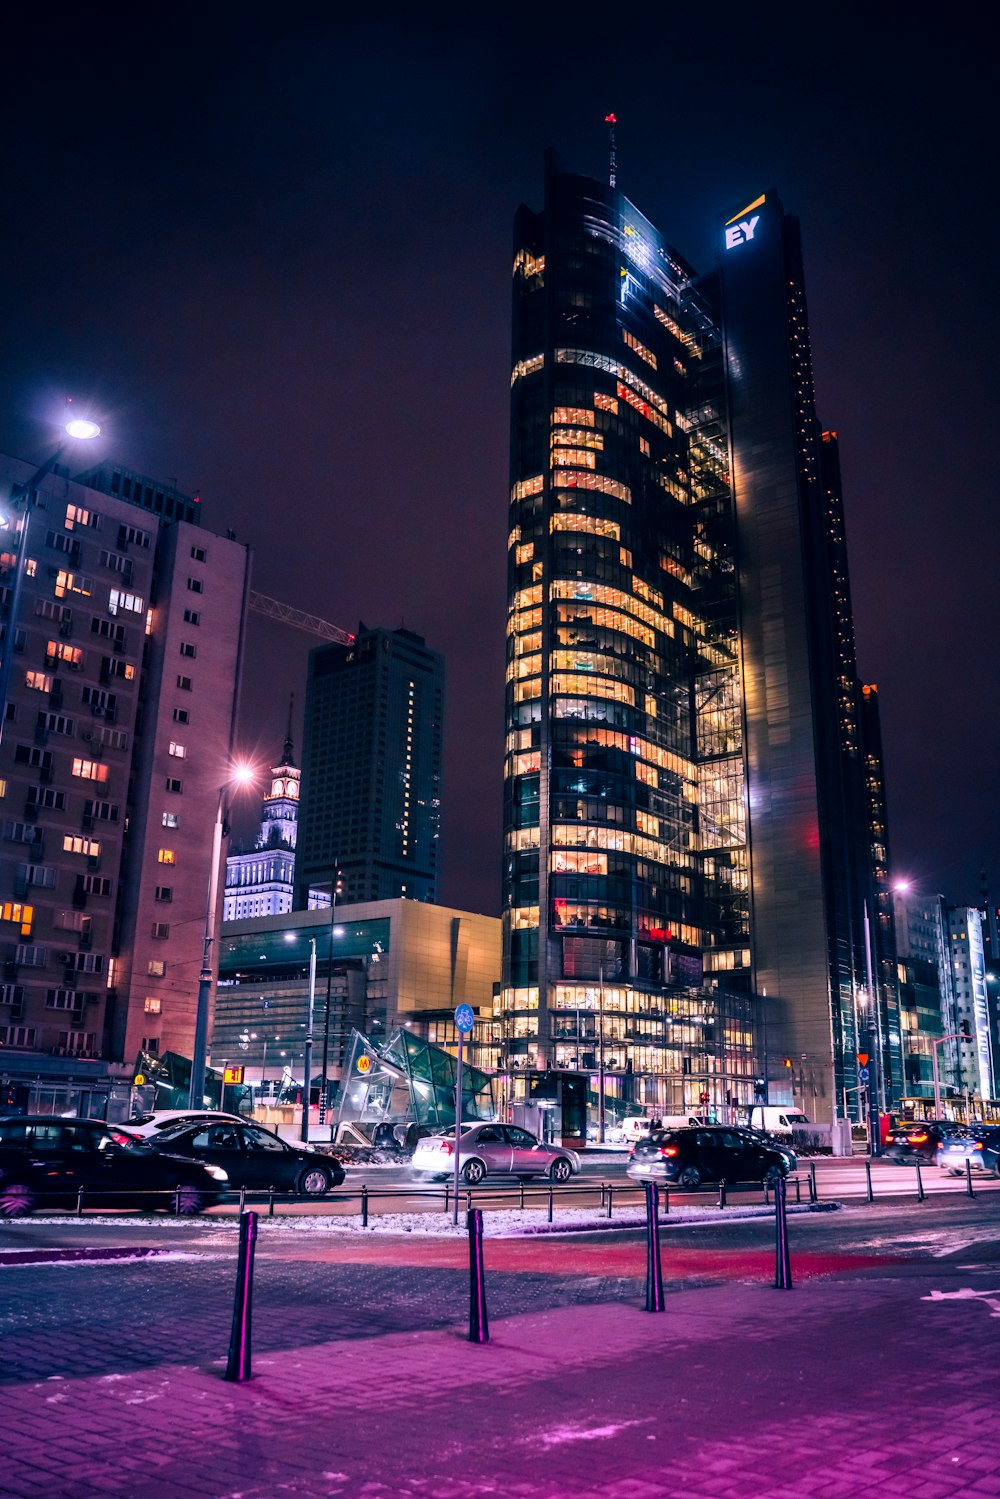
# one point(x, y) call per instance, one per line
point(863, 1074)
point(464, 1019)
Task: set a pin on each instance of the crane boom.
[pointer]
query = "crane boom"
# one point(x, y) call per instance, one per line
point(298, 619)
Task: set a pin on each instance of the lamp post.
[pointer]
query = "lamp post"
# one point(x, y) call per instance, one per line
point(81, 431)
point(325, 1075)
point(307, 1059)
point(874, 1059)
point(241, 775)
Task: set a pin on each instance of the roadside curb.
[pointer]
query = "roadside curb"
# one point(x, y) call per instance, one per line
point(55, 1256)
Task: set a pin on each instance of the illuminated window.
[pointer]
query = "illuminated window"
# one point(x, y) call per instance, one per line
point(177, 750)
point(151, 1006)
point(573, 458)
point(171, 820)
point(525, 367)
point(165, 856)
point(76, 845)
point(67, 582)
point(118, 600)
point(21, 915)
point(156, 968)
point(58, 650)
point(572, 416)
point(525, 552)
point(639, 348)
point(77, 516)
point(90, 770)
point(39, 680)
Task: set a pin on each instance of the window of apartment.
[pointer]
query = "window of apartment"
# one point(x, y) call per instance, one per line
point(151, 1006)
point(192, 617)
point(177, 750)
point(181, 715)
point(118, 668)
point(18, 1036)
point(198, 554)
point(118, 564)
point(29, 754)
point(165, 856)
point(43, 876)
point(150, 1044)
point(95, 884)
point(77, 516)
point(184, 683)
point(132, 536)
point(58, 650)
point(41, 681)
point(187, 649)
point(156, 968)
point(160, 930)
point(101, 811)
point(109, 630)
point(118, 600)
point(56, 723)
point(173, 784)
point(20, 914)
point(46, 609)
point(60, 999)
point(60, 542)
point(90, 770)
point(73, 844)
point(28, 955)
point(164, 892)
point(67, 582)
point(171, 820)
point(196, 585)
point(46, 796)
point(113, 738)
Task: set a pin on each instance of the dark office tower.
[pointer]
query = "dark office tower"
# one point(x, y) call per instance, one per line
point(371, 768)
point(882, 924)
point(684, 812)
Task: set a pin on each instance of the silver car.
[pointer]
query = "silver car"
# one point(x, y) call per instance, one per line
point(494, 1150)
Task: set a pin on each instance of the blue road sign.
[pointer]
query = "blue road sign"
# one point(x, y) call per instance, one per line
point(464, 1019)
point(862, 1074)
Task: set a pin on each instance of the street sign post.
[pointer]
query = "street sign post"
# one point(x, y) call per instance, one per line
point(464, 1021)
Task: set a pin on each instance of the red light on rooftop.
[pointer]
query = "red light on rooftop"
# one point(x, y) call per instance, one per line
point(610, 120)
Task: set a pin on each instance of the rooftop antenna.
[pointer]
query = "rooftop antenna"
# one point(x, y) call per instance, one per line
point(611, 122)
point(288, 750)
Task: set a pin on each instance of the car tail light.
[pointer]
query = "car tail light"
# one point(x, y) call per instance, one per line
point(917, 1139)
point(978, 1145)
point(447, 1147)
point(668, 1149)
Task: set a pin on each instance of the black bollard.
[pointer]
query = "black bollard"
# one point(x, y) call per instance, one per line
point(921, 1194)
point(550, 1204)
point(722, 1193)
point(479, 1327)
point(654, 1270)
point(364, 1205)
point(238, 1367)
point(782, 1262)
point(610, 1194)
point(968, 1177)
point(812, 1181)
point(868, 1179)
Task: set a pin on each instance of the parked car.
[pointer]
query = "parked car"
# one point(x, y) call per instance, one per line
point(979, 1145)
point(689, 1157)
point(45, 1161)
point(252, 1156)
point(151, 1124)
point(917, 1141)
point(494, 1150)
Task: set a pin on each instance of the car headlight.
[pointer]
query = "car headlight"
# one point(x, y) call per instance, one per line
point(217, 1173)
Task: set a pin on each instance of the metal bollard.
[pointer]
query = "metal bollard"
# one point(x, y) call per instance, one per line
point(468, 1202)
point(602, 1194)
point(521, 1199)
point(968, 1177)
point(550, 1204)
point(238, 1366)
point(79, 1202)
point(270, 1202)
point(654, 1270)
point(722, 1193)
point(782, 1262)
point(921, 1194)
point(479, 1327)
point(177, 1200)
point(868, 1179)
point(364, 1206)
point(798, 1190)
point(610, 1195)
point(812, 1182)
point(447, 1195)
point(243, 1200)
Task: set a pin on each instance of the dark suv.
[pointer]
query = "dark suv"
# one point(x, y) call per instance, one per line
point(689, 1157)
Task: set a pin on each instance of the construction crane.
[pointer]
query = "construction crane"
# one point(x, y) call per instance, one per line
point(298, 619)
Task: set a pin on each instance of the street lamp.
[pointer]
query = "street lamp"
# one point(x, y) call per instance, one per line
point(325, 1075)
point(196, 1093)
point(307, 1063)
point(79, 430)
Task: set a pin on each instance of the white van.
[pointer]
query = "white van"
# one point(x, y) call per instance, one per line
point(638, 1127)
point(774, 1119)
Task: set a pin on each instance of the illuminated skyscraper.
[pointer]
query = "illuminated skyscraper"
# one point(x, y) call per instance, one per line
point(684, 810)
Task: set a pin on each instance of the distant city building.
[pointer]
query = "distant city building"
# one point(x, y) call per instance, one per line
point(116, 741)
point(371, 768)
point(977, 1058)
point(685, 807)
point(379, 965)
point(927, 1013)
point(261, 882)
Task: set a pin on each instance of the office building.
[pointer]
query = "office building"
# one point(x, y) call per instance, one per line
point(116, 742)
point(977, 1054)
point(927, 1014)
point(685, 812)
point(371, 768)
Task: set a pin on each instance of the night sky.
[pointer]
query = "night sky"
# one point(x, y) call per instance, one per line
point(271, 250)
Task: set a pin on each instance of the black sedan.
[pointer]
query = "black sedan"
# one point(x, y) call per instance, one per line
point(917, 1141)
point(253, 1157)
point(48, 1162)
point(689, 1157)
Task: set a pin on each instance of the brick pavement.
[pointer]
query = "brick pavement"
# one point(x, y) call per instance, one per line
point(842, 1387)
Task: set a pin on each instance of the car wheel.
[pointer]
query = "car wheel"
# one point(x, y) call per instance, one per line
point(689, 1177)
point(188, 1201)
point(561, 1170)
point(314, 1182)
point(473, 1173)
point(17, 1200)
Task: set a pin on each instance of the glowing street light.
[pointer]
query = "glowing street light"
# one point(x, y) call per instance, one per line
point(241, 775)
point(80, 430)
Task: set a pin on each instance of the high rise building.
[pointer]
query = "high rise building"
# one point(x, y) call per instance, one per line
point(371, 768)
point(977, 1055)
point(685, 812)
point(261, 881)
point(116, 744)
